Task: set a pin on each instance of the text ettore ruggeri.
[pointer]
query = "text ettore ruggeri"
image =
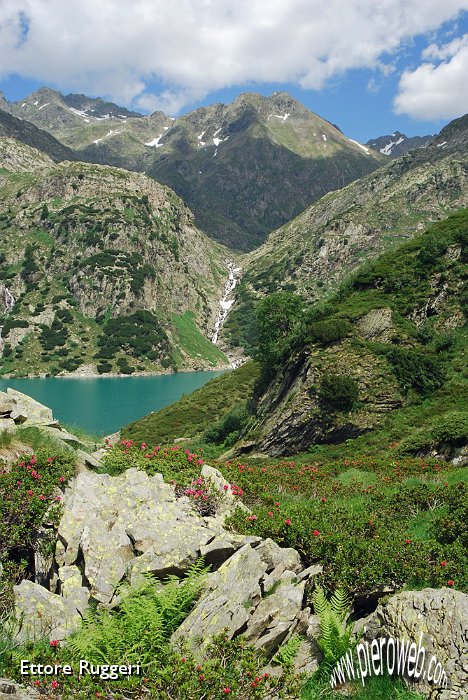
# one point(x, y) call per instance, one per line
point(104, 672)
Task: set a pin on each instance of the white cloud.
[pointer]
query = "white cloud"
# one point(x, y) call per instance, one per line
point(118, 49)
point(436, 90)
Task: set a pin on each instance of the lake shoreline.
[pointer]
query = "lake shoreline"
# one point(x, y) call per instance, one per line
point(110, 375)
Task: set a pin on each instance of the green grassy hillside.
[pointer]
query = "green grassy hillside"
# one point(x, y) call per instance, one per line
point(192, 415)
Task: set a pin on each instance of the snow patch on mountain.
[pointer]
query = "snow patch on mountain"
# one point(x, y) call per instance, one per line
point(387, 149)
point(155, 142)
point(364, 148)
point(110, 133)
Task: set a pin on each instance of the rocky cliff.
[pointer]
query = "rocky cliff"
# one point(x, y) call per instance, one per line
point(394, 334)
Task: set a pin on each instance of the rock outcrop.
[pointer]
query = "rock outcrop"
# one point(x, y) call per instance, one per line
point(440, 616)
point(17, 410)
point(42, 613)
point(119, 528)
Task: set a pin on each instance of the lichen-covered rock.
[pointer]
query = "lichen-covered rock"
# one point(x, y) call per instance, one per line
point(7, 424)
point(376, 325)
point(9, 690)
point(229, 595)
point(42, 613)
point(28, 410)
point(128, 525)
point(72, 587)
point(441, 616)
point(122, 527)
point(227, 501)
point(276, 615)
point(63, 435)
point(224, 545)
point(254, 592)
point(279, 558)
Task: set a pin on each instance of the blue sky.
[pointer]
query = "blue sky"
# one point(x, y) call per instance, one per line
point(371, 68)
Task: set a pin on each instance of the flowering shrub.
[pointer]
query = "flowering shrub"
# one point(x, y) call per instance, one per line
point(30, 498)
point(369, 522)
point(203, 494)
point(174, 462)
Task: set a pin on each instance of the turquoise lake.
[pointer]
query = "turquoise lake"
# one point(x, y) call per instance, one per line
point(102, 405)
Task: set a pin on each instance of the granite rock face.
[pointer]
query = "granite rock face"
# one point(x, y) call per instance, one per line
point(116, 528)
point(129, 525)
point(441, 617)
point(42, 613)
point(252, 593)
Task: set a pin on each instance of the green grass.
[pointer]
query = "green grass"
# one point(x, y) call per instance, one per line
point(377, 688)
point(192, 415)
point(37, 439)
point(193, 342)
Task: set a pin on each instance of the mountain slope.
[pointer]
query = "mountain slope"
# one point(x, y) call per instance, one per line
point(54, 112)
point(313, 253)
point(243, 168)
point(392, 336)
point(378, 368)
point(247, 167)
point(397, 144)
point(29, 134)
point(105, 268)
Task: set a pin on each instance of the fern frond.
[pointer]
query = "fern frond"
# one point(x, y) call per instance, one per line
point(340, 603)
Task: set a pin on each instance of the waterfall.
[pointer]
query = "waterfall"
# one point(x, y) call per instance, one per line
point(226, 302)
point(8, 301)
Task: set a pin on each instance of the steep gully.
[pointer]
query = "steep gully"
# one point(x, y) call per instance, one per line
point(7, 300)
point(227, 301)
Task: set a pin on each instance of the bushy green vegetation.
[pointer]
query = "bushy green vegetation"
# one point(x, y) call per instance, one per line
point(278, 316)
point(136, 335)
point(227, 430)
point(338, 392)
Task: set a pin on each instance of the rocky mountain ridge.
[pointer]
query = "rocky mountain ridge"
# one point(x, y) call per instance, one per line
point(315, 251)
point(30, 135)
point(244, 168)
point(397, 144)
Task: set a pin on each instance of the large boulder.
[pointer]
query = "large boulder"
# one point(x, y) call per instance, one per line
point(277, 614)
point(230, 595)
point(42, 613)
point(130, 525)
point(437, 620)
point(254, 592)
point(27, 410)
